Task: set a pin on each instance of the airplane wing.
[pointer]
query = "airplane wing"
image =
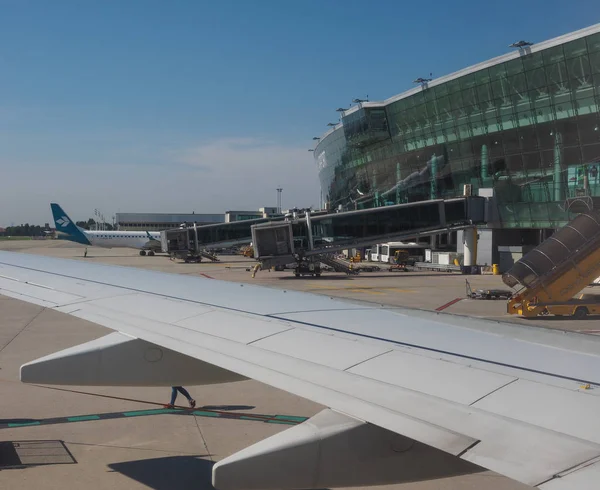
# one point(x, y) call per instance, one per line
point(412, 395)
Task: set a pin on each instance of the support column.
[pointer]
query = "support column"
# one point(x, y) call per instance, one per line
point(397, 182)
point(376, 192)
point(470, 241)
point(433, 189)
point(558, 173)
point(433, 241)
point(484, 164)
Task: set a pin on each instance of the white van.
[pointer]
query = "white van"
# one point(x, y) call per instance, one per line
point(384, 252)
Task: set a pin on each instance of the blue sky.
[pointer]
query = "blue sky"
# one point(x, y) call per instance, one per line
point(180, 106)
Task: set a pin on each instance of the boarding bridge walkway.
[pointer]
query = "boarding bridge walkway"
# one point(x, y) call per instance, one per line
point(313, 236)
point(557, 269)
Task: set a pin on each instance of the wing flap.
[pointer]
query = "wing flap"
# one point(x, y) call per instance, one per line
point(39, 294)
point(323, 349)
point(433, 376)
point(546, 406)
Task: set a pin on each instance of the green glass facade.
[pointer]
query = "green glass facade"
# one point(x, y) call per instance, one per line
point(526, 125)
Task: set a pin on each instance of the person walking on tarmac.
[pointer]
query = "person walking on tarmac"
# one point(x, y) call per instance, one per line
point(184, 392)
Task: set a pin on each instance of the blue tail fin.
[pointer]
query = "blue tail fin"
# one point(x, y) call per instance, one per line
point(65, 225)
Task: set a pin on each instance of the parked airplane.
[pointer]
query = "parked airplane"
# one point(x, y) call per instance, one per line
point(411, 395)
point(142, 240)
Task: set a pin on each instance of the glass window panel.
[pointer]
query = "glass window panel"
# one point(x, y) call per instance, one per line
point(594, 59)
point(547, 158)
point(418, 99)
point(498, 71)
point(510, 140)
point(523, 213)
point(456, 100)
point(591, 153)
point(546, 138)
point(544, 114)
point(440, 90)
point(579, 69)
point(536, 79)
point(464, 131)
point(593, 42)
point(532, 61)
point(514, 163)
point(571, 155)
point(589, 129)
point(557, 76)
point(514, 67)
point(539, 99)
point(509, 120)
point(531, 161)
point(539, 211)
point(484, 92)
point(495, 147)
point(568, 131)
point(466, 148)
point(478, 128)
point(552, 55)
point(499, 88)
point(453, 86)
point(525, 118)
point(528, 139)
point(575, 48)
point(468, 81)
point(586, 106)
point(516, 84)
point(596, 84)
point(482, 76)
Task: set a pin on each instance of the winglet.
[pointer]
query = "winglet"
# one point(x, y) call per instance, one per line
point(67, 227)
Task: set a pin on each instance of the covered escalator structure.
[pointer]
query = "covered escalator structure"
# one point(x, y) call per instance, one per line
point(558, 269)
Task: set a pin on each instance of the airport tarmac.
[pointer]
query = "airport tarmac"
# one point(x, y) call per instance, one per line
point(61, 439)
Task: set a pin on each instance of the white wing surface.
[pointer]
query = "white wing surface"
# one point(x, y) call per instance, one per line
point(402, 385)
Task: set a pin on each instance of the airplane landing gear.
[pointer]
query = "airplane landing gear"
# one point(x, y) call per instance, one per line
point(142, 252)
point(151, 253)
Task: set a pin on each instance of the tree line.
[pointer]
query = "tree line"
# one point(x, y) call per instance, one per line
point(25, 230)
point(37, 230)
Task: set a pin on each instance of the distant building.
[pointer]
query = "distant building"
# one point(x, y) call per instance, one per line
point(163, 221)
point(245, 215)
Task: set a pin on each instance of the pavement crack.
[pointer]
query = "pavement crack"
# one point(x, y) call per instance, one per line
point(209, 454)
point(23, 329)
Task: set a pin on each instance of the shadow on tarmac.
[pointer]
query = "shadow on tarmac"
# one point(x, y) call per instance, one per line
point(169, 473)
point(552, 318)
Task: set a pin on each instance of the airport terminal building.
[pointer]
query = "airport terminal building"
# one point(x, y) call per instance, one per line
point(523, 128)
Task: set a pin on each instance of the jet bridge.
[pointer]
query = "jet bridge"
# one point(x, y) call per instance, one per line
point(192, 243)
point(306, 235)
point(309, 238)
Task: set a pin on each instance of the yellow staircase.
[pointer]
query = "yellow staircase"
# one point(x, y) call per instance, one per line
point(557, 269)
